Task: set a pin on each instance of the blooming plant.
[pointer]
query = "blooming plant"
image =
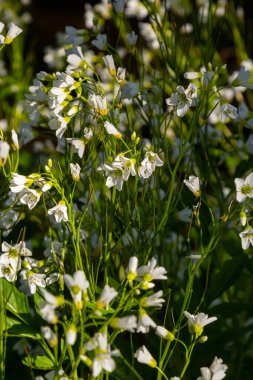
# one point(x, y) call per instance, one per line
point(126, 194)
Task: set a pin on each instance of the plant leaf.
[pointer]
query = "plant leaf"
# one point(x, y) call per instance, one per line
point(38, 362)
point(16, 328)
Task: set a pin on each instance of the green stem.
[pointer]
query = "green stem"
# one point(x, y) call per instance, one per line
point(162, 373)
point(2, 332)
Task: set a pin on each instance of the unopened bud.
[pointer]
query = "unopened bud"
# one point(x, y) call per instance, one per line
point(243, 218)
point(71, 335)
point(202, 339)
point(133, 136)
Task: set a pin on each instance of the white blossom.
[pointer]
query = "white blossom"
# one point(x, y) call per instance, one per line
point(77, 285)
point(128, 323)
point(153, 300)
point(12, 33)
point(60, 212)
point(150, 272)
point(99, 104)
point(144, 322)
point(100, 41)
point(107, 295)
point(145, 357)
point(193, 184)
point(227, 111)
point(71, 335)
point(246, 237)
point(183, 99)
point(244, 188)
point(4, 151)
point(197, 322)
point(109, 62)
point(111, 130)
point(217, 371)
point(75, 171)
point(29, 197)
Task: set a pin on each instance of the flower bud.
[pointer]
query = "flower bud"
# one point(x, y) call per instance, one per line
point(71, 335)
point(243, 218)
point(202, 339)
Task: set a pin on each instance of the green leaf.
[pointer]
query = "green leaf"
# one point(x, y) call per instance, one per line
point(227, 277)
point(38, 362)
point(16, 328)
point(16, 302)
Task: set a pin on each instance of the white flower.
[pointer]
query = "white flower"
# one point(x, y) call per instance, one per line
point(108, 60)
point(8, 272)
point(121, 76)
point(14, 138)
point(246, 237)
point(215, 372)
point(107, 295)
point(244, 188)
point(162, 332)
point(75, 171)
point(100, 41)
point(77, 285)
point(153, 300)
point(193, 184)
point(242, 78)
point(183, 99)
point(12, 33)
point(111, 130)
point(103, 361)
point(29, 197)
point(119, 171)
point(48, 313)
point(150, 272)
point(114, 176)
point(131, 270)
point(19, 182)
point(103, 355)
point(59, 124)
point(148, 165)
point(47, 308)
point(34, 280)
point(126, 165)
point(134, 8)
point(126, 323)
point(12, 256)
point(144, 322)
point(79, 145)
point(18, 249)
point(197, 322)
point(49, 335)
point(53, 277)
point(145, 357)
point(132, 38)
point(60, 212)
point(228, 111)
point(205, 75)
point(4, 151)
point(71, 335)
point(99, 104)
point(76, 60)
